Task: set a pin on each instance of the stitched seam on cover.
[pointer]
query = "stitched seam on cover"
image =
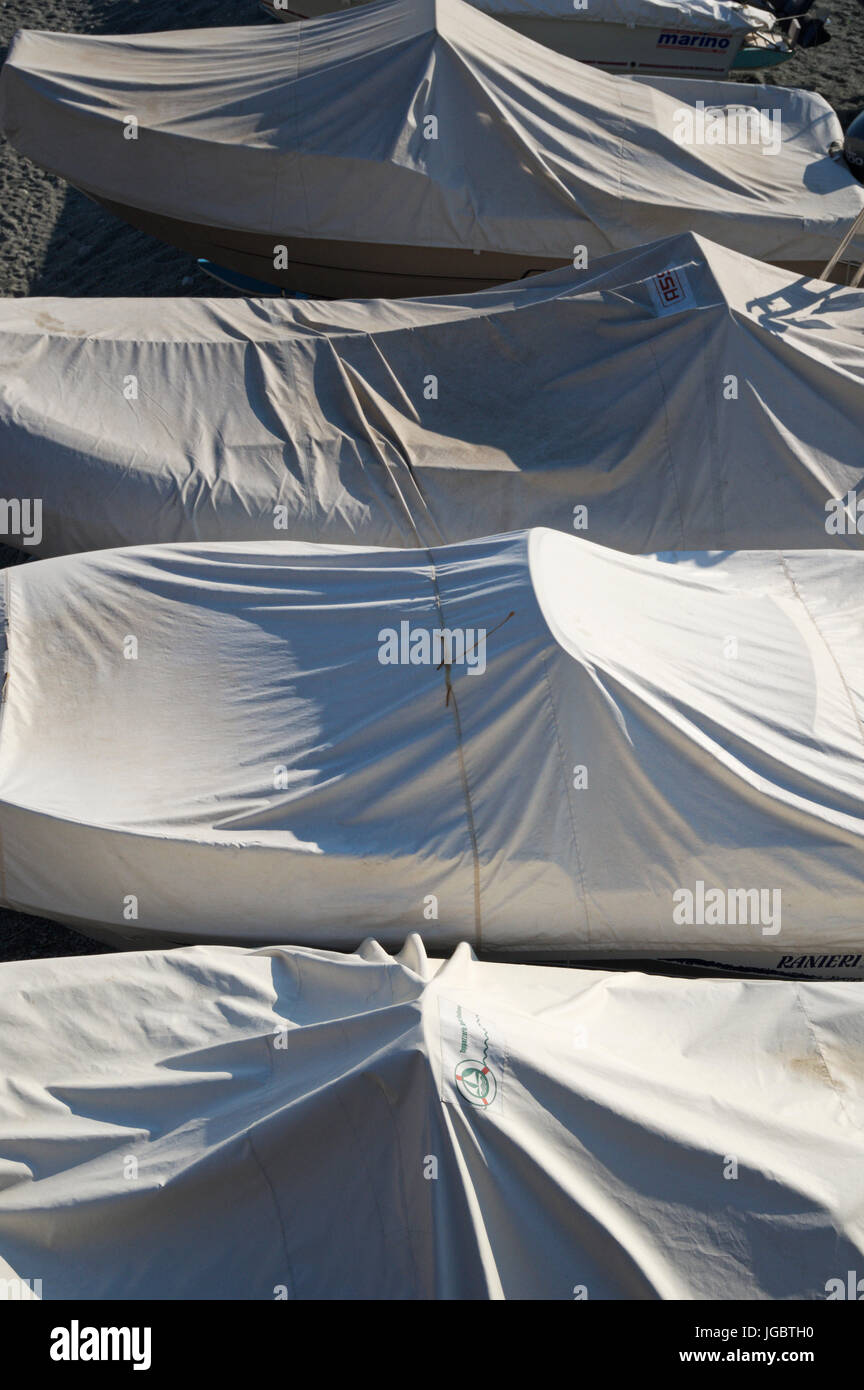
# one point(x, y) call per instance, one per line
point(824, 640)
point(835, 1087)
point(265, 1175)
point(669, 459)
point(463, 769)
point(570, 809)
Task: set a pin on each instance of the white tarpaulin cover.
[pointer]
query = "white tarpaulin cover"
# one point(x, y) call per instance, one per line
point(727, 417)
point(706, 16)
point(319, 130)
point(263, 742)
point(215, 1123)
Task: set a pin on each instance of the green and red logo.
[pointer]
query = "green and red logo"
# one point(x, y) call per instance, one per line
point(476, 1082)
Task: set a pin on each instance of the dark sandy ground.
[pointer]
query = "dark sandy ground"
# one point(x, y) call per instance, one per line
point(53, 240)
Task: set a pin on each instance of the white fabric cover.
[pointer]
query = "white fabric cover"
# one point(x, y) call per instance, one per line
point(138, 421)
point(203, 742)
point(284, 1109)
point(318, 129)
point(708, 16)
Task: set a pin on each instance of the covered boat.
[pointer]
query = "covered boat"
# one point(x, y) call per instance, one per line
point(668, 38)
point(532, 743)
point(417, 147)
point(673, 38)
point(137, 421)
point(399, 1128)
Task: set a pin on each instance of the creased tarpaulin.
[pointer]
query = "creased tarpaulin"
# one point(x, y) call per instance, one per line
point(223, 742)
point(293, 1124)
point(704, 16)
point(725, 418)
point(318, 130)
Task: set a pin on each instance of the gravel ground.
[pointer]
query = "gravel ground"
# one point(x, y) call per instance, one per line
point(53, 240)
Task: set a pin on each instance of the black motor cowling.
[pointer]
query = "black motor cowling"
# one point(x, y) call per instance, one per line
point(853, 147)
point(805, 31)
point(812, 31)
point(788, 9)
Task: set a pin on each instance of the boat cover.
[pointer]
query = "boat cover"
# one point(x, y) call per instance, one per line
point(605, 755)
point(680, 396)
point(215, 1123)
point(423, 123)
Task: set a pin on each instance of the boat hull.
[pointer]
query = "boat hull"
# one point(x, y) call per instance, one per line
point(678, 52)
point(327, 269)
point(339, 269)
point(789, 965)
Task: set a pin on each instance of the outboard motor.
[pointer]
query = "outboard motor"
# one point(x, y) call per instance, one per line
point(802, 33)
point(802, 30)
point(853, 147)
point(788, 9)
point(812, 31)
